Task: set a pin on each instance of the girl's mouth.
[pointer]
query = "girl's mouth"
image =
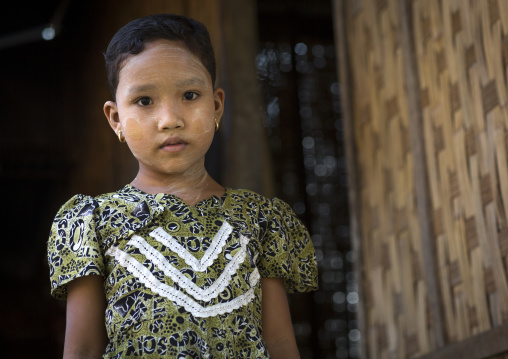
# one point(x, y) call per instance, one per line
point(173, 144)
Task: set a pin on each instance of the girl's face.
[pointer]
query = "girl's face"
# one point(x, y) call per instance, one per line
point(166, 109)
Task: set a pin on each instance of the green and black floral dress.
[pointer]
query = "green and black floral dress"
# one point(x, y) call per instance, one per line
point(181, 281)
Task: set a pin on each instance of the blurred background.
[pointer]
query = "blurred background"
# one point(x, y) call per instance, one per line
point(281, 135)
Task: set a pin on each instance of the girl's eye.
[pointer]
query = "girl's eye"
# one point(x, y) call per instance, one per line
point(190, 96)
point(144, 101)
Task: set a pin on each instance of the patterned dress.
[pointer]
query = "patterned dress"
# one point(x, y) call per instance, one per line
point(181, 281)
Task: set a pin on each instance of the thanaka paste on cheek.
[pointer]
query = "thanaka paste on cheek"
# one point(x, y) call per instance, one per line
point(133, 130)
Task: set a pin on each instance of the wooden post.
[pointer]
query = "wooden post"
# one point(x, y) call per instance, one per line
point(247, 161)
point(415, 119)
point(339, 8)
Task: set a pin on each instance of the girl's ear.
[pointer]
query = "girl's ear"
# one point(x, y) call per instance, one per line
point(111, 112)
point(218, 98)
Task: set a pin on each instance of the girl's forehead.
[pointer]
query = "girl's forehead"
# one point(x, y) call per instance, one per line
point(162, 63)
point(177, 47)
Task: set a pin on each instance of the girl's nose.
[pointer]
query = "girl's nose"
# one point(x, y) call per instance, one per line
point(170, 117)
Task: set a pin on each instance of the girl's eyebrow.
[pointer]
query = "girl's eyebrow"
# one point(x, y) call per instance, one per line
point(140, 88)
point(193, 81)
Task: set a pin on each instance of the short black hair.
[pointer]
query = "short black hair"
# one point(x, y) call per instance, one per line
point(129, 40)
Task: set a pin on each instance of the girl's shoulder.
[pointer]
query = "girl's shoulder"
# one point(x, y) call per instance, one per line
point(270, 206)
point(107, 216)
point(245, 195)
point(251, 196)
point(123, 200)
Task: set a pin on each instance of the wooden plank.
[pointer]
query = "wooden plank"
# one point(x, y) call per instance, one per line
point(420, 173)
point(484, 345)
point(244, 129)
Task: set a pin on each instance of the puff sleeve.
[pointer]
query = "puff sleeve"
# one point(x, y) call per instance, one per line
point(74, 246)
point(287, 250)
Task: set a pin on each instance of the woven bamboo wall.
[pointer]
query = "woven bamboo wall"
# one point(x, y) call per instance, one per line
point(394, 289)
point(461, 48)
point(461, 51)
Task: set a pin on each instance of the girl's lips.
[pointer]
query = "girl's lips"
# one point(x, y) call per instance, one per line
point(173, 144)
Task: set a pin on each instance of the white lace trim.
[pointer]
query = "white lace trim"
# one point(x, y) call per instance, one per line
point(254, 277)
point(150, 281)
point(210, 255)
point(169, 270)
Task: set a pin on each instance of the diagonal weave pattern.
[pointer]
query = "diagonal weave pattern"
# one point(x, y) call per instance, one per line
point(395, 292)
point(462, 68)
point(462, 56)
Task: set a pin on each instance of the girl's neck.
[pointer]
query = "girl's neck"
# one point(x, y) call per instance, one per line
point(190, 189)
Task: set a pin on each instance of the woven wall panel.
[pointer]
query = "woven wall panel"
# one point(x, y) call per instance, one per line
point(396, 304)
point(461, 67)
point(461, 50)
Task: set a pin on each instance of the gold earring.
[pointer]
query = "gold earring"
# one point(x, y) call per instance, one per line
point(120, 138)
point(216, 125)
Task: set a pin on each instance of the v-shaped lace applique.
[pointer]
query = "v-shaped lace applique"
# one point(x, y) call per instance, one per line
point(194, 291)
point(150, 281)
point(210, 255)
point(171, 271)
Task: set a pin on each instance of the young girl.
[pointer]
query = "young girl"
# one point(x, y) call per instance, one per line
point(174, 265)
